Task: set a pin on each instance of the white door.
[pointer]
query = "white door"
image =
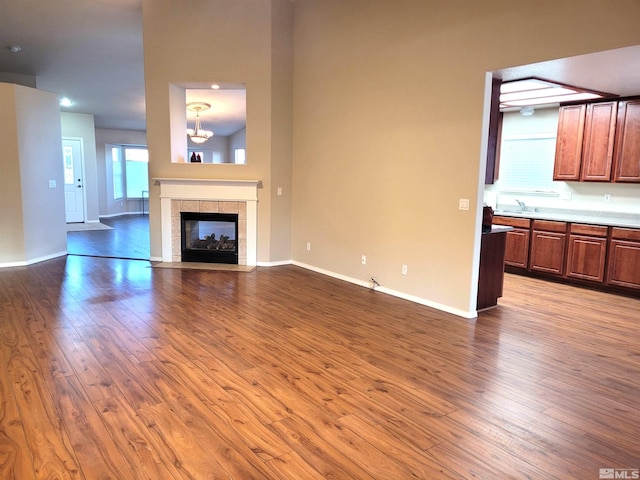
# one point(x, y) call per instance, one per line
point(73, 179)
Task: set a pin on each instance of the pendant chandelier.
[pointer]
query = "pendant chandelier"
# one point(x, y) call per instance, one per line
point(198, 134)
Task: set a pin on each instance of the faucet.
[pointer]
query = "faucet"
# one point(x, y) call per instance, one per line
point(522, 205)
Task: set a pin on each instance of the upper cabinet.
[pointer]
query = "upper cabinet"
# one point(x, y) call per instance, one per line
point(599, 133)
point(599, 142)
point(569, 143)
point(627, 153)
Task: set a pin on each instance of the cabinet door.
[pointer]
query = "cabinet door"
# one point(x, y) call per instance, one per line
point(624, 264)
point(585, 257)
point(547, 252)
point(569, 142)
point(517, 249)
point(599, 136)
point(627, 152)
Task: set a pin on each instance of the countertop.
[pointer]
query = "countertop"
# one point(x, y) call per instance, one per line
point(612, 219)
point(498, 229)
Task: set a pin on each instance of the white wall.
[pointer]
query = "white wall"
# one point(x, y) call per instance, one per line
point(571, 195)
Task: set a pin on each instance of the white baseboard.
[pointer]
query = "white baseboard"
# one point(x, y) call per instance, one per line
point(31, 261)
point(412, 298)
point(274, 264)
point(121, 214)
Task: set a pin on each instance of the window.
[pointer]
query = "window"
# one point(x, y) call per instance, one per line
point(240, 157)
point(136, 171)
point(527, 162)
point(118, 178)
point(130, 170)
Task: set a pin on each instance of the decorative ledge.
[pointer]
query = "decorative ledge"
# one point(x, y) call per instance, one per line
point(208, 181)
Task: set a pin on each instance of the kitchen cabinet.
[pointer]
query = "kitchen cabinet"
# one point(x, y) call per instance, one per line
point(548, 239)
point(517, 243)
point(627, 151)
point(568, 158)
point(495, 129)
point(586, 252)
point(624, 258)
point(599, 136)
point(585, 142)
point(607, 258)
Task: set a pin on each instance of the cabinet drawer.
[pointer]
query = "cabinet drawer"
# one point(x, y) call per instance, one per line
point(550, 226)
point(625, 233)
point(592, 230)
point(512, 221)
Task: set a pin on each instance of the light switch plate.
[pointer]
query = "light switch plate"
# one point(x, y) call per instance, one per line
point(463, 204)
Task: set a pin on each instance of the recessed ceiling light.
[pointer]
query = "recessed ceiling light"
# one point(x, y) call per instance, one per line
point(65, 102)
point(215, 86)
point(533, 91)
point(14, 48)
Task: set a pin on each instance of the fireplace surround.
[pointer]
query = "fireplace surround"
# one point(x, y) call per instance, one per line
point(179, 195)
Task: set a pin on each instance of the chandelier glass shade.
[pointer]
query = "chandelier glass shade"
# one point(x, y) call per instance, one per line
point(198, 134)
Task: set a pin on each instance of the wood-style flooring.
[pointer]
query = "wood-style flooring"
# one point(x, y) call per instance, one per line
point(110, 369)
point(129, 238)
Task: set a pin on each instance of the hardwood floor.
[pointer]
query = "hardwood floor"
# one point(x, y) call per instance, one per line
point(112, 369)
point(129, 238)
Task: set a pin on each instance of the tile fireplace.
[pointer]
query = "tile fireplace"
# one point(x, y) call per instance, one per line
point(208, 196)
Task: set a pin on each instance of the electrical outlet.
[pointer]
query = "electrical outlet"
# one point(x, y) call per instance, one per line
point(404, 269)
point(463, 204)
point(308, 246)
point(607, 197)
point(364, 259)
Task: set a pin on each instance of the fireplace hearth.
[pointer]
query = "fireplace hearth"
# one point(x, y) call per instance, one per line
point(209, 237)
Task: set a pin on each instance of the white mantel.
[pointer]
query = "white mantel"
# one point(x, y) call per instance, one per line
point(203, 189)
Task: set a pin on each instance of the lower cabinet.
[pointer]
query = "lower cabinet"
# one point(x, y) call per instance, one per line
point(548, 241)
point(624, 258)
point(517, 252)
point(517, 248)
point(586, 252)
point(604, 257)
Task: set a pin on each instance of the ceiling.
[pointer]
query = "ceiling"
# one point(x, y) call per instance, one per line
point(91, 52)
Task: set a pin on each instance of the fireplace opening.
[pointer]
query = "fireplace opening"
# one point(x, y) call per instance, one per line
point(209, 237)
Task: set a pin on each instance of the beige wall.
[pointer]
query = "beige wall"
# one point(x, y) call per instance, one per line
point(388, 122)
point(11, 220)
point(32, 225)
point(388, 102)
point(219, 41)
